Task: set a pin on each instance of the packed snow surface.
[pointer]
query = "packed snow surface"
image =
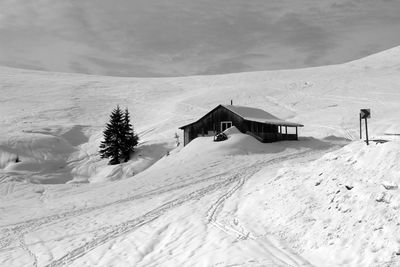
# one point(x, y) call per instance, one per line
point(325, 200)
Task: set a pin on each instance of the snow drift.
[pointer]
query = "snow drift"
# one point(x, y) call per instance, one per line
point(326, 200)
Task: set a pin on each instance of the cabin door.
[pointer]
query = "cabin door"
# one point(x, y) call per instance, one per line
point(225, 125)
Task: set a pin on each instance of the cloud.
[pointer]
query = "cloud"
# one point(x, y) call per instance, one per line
point(185, 37)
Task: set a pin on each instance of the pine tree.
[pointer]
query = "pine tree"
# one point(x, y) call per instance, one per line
point(119, 137)
point(131, 139)
point(114, 137)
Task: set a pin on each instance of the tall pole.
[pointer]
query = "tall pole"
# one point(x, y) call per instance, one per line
point(366, 130)
point(360, 127)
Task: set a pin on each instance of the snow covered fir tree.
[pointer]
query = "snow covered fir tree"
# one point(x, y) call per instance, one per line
point(119, 137)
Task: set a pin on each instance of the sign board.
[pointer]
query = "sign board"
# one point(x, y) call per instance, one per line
point(365, 113)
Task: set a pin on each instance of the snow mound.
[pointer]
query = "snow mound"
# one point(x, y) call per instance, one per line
point(342, 208)
point(68, 154)
point(379, 160)
point(243, 144)
point(232, 130)
point(7, 157)
point(236, 144)
point(40, 154)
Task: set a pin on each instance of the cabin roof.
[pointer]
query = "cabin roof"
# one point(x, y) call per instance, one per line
point(252, 114)
point(258, 115)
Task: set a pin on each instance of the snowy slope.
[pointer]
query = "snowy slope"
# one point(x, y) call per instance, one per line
point(237, 202)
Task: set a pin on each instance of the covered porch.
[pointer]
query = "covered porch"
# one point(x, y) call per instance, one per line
point(267, 133)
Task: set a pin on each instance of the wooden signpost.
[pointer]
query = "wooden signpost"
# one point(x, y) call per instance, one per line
point(365, 114)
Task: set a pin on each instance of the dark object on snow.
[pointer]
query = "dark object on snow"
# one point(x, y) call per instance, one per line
point(220, 137)
point(380, 141)
point(260, 124)
point(349, 187)
point(390, 186)
point(17, 159)
point(119, 137)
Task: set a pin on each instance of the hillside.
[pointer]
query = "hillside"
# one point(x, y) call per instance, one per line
point(208, 204)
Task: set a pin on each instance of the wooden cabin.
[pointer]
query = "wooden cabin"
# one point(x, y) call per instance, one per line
point(254, 121)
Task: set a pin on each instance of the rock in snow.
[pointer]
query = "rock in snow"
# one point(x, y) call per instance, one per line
point(389, 185)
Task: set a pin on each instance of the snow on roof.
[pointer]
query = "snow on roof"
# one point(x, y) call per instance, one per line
point(253, 114)
point(258, 115)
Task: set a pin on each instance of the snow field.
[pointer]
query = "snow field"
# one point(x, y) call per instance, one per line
point(179, 195)
point(327, 200)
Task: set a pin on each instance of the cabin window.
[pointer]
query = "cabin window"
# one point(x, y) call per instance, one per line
point(225, 125)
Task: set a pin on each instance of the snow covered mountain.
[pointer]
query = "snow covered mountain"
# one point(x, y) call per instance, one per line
point(327, 200)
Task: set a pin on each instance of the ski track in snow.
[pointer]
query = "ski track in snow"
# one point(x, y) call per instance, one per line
point(16, 232)
point(3, 178)
point(324, 98)
point(128, 226)
point(279, 256)
point(23, 245)
point(7, 186)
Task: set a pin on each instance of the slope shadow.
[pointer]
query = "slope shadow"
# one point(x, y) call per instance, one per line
point(46, 155)
point(75, 135)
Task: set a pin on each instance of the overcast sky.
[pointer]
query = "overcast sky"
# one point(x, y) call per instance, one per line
point(185, 37)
